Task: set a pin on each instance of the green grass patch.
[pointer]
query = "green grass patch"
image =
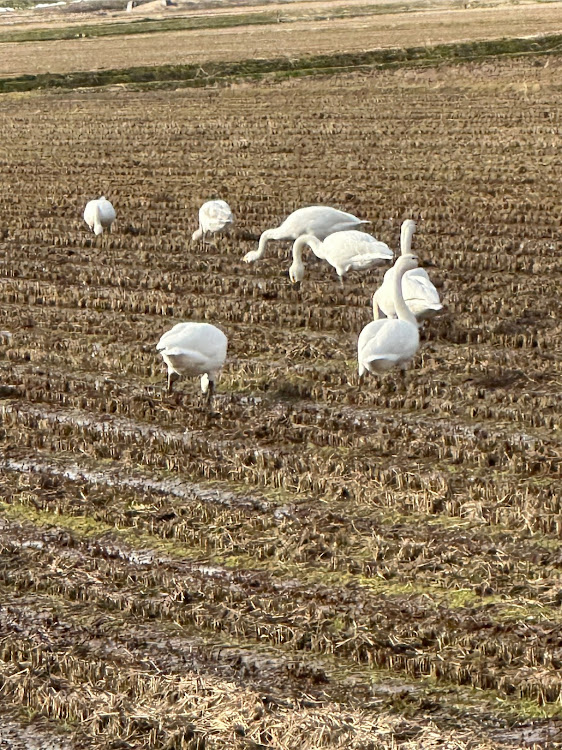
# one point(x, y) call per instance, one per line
point(88, 527)
point(215, 72)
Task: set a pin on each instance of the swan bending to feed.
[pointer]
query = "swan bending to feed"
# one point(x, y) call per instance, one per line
point(420, 294)
point(214, 217)
point(194, 349)
point(99, 215)
point(319, 221)
point(387, 343)
point(346, 251)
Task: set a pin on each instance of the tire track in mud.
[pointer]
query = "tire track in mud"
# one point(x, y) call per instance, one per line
point(218, 447)
point(98, 601)
point(379, 629)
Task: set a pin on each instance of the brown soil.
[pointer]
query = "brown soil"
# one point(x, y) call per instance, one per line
point(316, 564)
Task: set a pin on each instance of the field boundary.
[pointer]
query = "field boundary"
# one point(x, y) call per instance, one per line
point(197, 76)
point(196, 23)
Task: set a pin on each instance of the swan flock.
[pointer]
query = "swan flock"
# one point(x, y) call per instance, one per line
point(405, 298)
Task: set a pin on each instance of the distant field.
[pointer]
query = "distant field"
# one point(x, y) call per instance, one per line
point(319, 564)
point(298, 38)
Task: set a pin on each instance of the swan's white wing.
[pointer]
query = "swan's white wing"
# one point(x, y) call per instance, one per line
point(215, 215)
point(168, 338)
point(204, 338)
point(89, 213)
point(185, 359)
point(420, 294)
point(107, 212)
point(320, 221)
point(394, 342)
point(352, 243)
point(419, 286)
point(368, 333)
point(354, 250)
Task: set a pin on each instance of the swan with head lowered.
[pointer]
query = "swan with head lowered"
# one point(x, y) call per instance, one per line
point(387, 343)
point(99, 214)
point(346, 251)
point(320, 221)
point(214, 217)
point(420, 294)
point(194, 349)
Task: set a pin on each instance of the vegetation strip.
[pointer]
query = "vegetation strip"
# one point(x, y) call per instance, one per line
point(129, 528)
point(191, 23)
point(197, 76)
point(107, 567)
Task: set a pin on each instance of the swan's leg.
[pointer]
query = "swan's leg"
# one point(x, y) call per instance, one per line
point(172, 377)
point(403, 380)
point(210, 393)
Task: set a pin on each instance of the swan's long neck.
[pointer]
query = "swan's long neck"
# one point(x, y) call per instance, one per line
point(269, 234)
point(314, 244)
point(301, 242)
point(402, 310)
point(406, 234)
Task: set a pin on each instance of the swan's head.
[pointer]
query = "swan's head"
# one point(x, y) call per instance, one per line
point(406, 233)
point(204, 383)
point(410, 225)
point(197, 235)
point(406, 262)
point(252, 256)
point(296, 272)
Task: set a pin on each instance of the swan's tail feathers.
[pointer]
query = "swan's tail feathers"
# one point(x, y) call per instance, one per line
point(362, 262)
point(377, 363)
point(184, 358)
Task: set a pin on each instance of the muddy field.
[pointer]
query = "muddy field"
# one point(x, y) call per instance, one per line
point(318, 563)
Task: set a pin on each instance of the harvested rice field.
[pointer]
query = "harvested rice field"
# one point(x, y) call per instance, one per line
point(298, 32)
point(316, 562)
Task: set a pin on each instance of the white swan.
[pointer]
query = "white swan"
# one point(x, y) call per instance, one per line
point(346, 251)
point(420, 294)
point(194, 349)
point(387, 343)
point(99, 215)
point(319, 221)
point(214, 217)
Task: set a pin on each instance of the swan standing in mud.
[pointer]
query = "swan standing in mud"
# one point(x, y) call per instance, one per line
point(99, 215)
point(387, 343)
point(194, 349)
point(346, 251)
point(214, 217)
point(319, 221)
point(420, 294)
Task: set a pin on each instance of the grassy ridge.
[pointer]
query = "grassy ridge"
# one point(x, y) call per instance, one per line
point(196, 76)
